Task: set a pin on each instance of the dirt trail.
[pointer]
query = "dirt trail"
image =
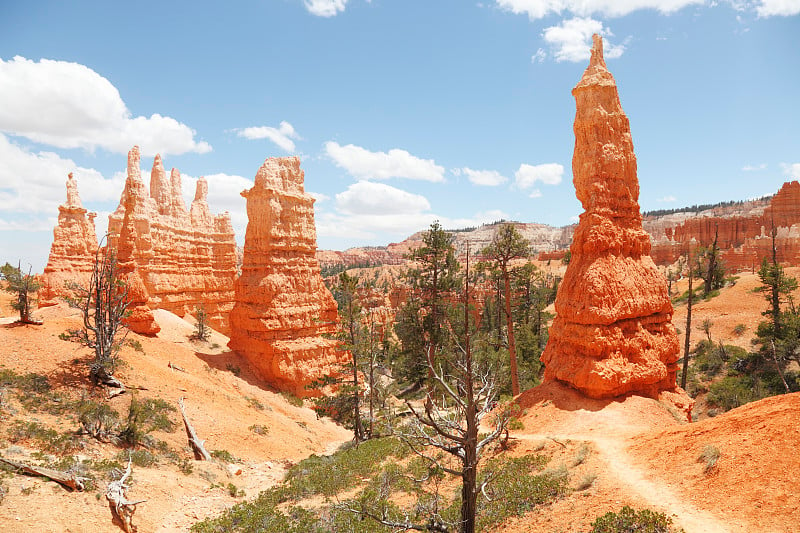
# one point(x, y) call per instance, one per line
point(629, 475)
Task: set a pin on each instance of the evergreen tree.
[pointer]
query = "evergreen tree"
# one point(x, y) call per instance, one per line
point(24, 286)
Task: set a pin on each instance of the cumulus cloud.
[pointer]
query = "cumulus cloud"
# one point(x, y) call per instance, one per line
point(369, 198)
point(282, 135)
point(488, 178)
point(325, 8)
point(33, 183)
point(783, 8)
point(536, 9)
point(528, 175)
point(364, 164)
point(792, 170)
point(68, 105)
point(572, 40)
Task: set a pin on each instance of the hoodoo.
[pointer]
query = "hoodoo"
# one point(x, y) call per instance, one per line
point(283, 310)
point(612, 334)
point(73, 249)
point(174, 259)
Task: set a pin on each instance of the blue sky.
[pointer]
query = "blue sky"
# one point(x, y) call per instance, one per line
point(403, 111)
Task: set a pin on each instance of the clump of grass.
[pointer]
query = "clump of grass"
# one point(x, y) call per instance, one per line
point(739, 330)
point(224, 455)
point(586, 482)
point(580, 457)
point(259, 429)
point(254, 403)
point(233, 369)
point(136, 345)
point(710, 456)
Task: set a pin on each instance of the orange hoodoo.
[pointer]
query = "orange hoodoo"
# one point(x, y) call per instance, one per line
point(613, 333)
point(283, 313)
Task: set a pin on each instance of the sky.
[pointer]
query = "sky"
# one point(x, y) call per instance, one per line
point(403, 112)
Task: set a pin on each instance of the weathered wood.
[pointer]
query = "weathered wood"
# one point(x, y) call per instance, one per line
point(122, 508)
point(69, 480)
point(195, 442)
point(175, 367)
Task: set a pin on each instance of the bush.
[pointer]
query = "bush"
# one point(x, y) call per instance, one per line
point(731, 392)
point(709, 456)
point(628, 520)
point(144, 417)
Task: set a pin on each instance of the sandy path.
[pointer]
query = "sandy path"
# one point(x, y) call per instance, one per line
point(633, 478)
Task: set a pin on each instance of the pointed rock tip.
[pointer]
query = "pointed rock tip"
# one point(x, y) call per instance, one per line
point(597, 52)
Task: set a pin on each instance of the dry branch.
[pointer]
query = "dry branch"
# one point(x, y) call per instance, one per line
point(195, 442)
point(69, 480)
point(175, 367)
point(122, 508)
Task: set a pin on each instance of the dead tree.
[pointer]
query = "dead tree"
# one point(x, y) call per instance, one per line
point(450, 422)
point(197, 444)
point(104, 304)
point(121, 507)
point(67, 479)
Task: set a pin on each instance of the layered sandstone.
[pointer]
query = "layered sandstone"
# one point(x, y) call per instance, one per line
point(283, 311)
point(612, 334)
point(744, 232)
point(73, 250)
point(173, 258)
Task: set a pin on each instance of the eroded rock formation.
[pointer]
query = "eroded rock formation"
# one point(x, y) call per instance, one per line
point(744, 231)
point(174, 259)
point(73, 250)
point(283, 309)
point(612, 334)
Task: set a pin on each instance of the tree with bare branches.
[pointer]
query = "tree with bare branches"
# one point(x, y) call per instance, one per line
point(449, 420)
point(104, 304)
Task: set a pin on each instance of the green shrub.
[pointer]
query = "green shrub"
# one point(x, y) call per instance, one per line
point(144, 417)
point(224, 455)
point(628, 520)
point(731, 392)
point(49, 440)
point(739, 330)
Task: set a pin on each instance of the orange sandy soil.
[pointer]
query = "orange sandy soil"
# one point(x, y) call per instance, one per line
point(640, 453)
point(221, 406)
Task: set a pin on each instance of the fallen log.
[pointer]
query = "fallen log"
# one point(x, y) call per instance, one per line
point(175, 367)
point(67, 479)
point(198, 445)
point(121, 507)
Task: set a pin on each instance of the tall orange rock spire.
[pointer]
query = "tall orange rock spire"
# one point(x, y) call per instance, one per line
point(283, 309)
point(73, 249)
point(613, 333)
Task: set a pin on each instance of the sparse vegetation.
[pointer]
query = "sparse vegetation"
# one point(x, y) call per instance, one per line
point(201, 330)
point(24, 286)
point(710, 456)
point(629, 520)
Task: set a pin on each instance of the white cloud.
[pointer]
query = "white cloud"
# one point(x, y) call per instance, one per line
point(363, 164)
point(784, 8)
point(572, 40)
point(791, 170)
point(548, 174)
point(325, 8)
point(536, 9)
point(752, 168)
point(539, 56)
point(535, 193)
point(368, 198)
point(282, 135)
point(68, 105)
point(488, 178)
point(666, 199)
point(319, 197)
point(33, 184)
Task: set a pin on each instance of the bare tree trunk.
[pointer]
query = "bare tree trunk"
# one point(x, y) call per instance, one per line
point(688, 333)
point(122, 508)
point(71, 481)
point(198, 445)
point(512, 344)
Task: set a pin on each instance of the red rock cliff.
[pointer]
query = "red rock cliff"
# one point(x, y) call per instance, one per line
point(174, 259)
point(283, 308)
point(73, 250)
point(612, 334)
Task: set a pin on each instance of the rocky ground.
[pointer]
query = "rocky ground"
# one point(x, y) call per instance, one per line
point(632, 451)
